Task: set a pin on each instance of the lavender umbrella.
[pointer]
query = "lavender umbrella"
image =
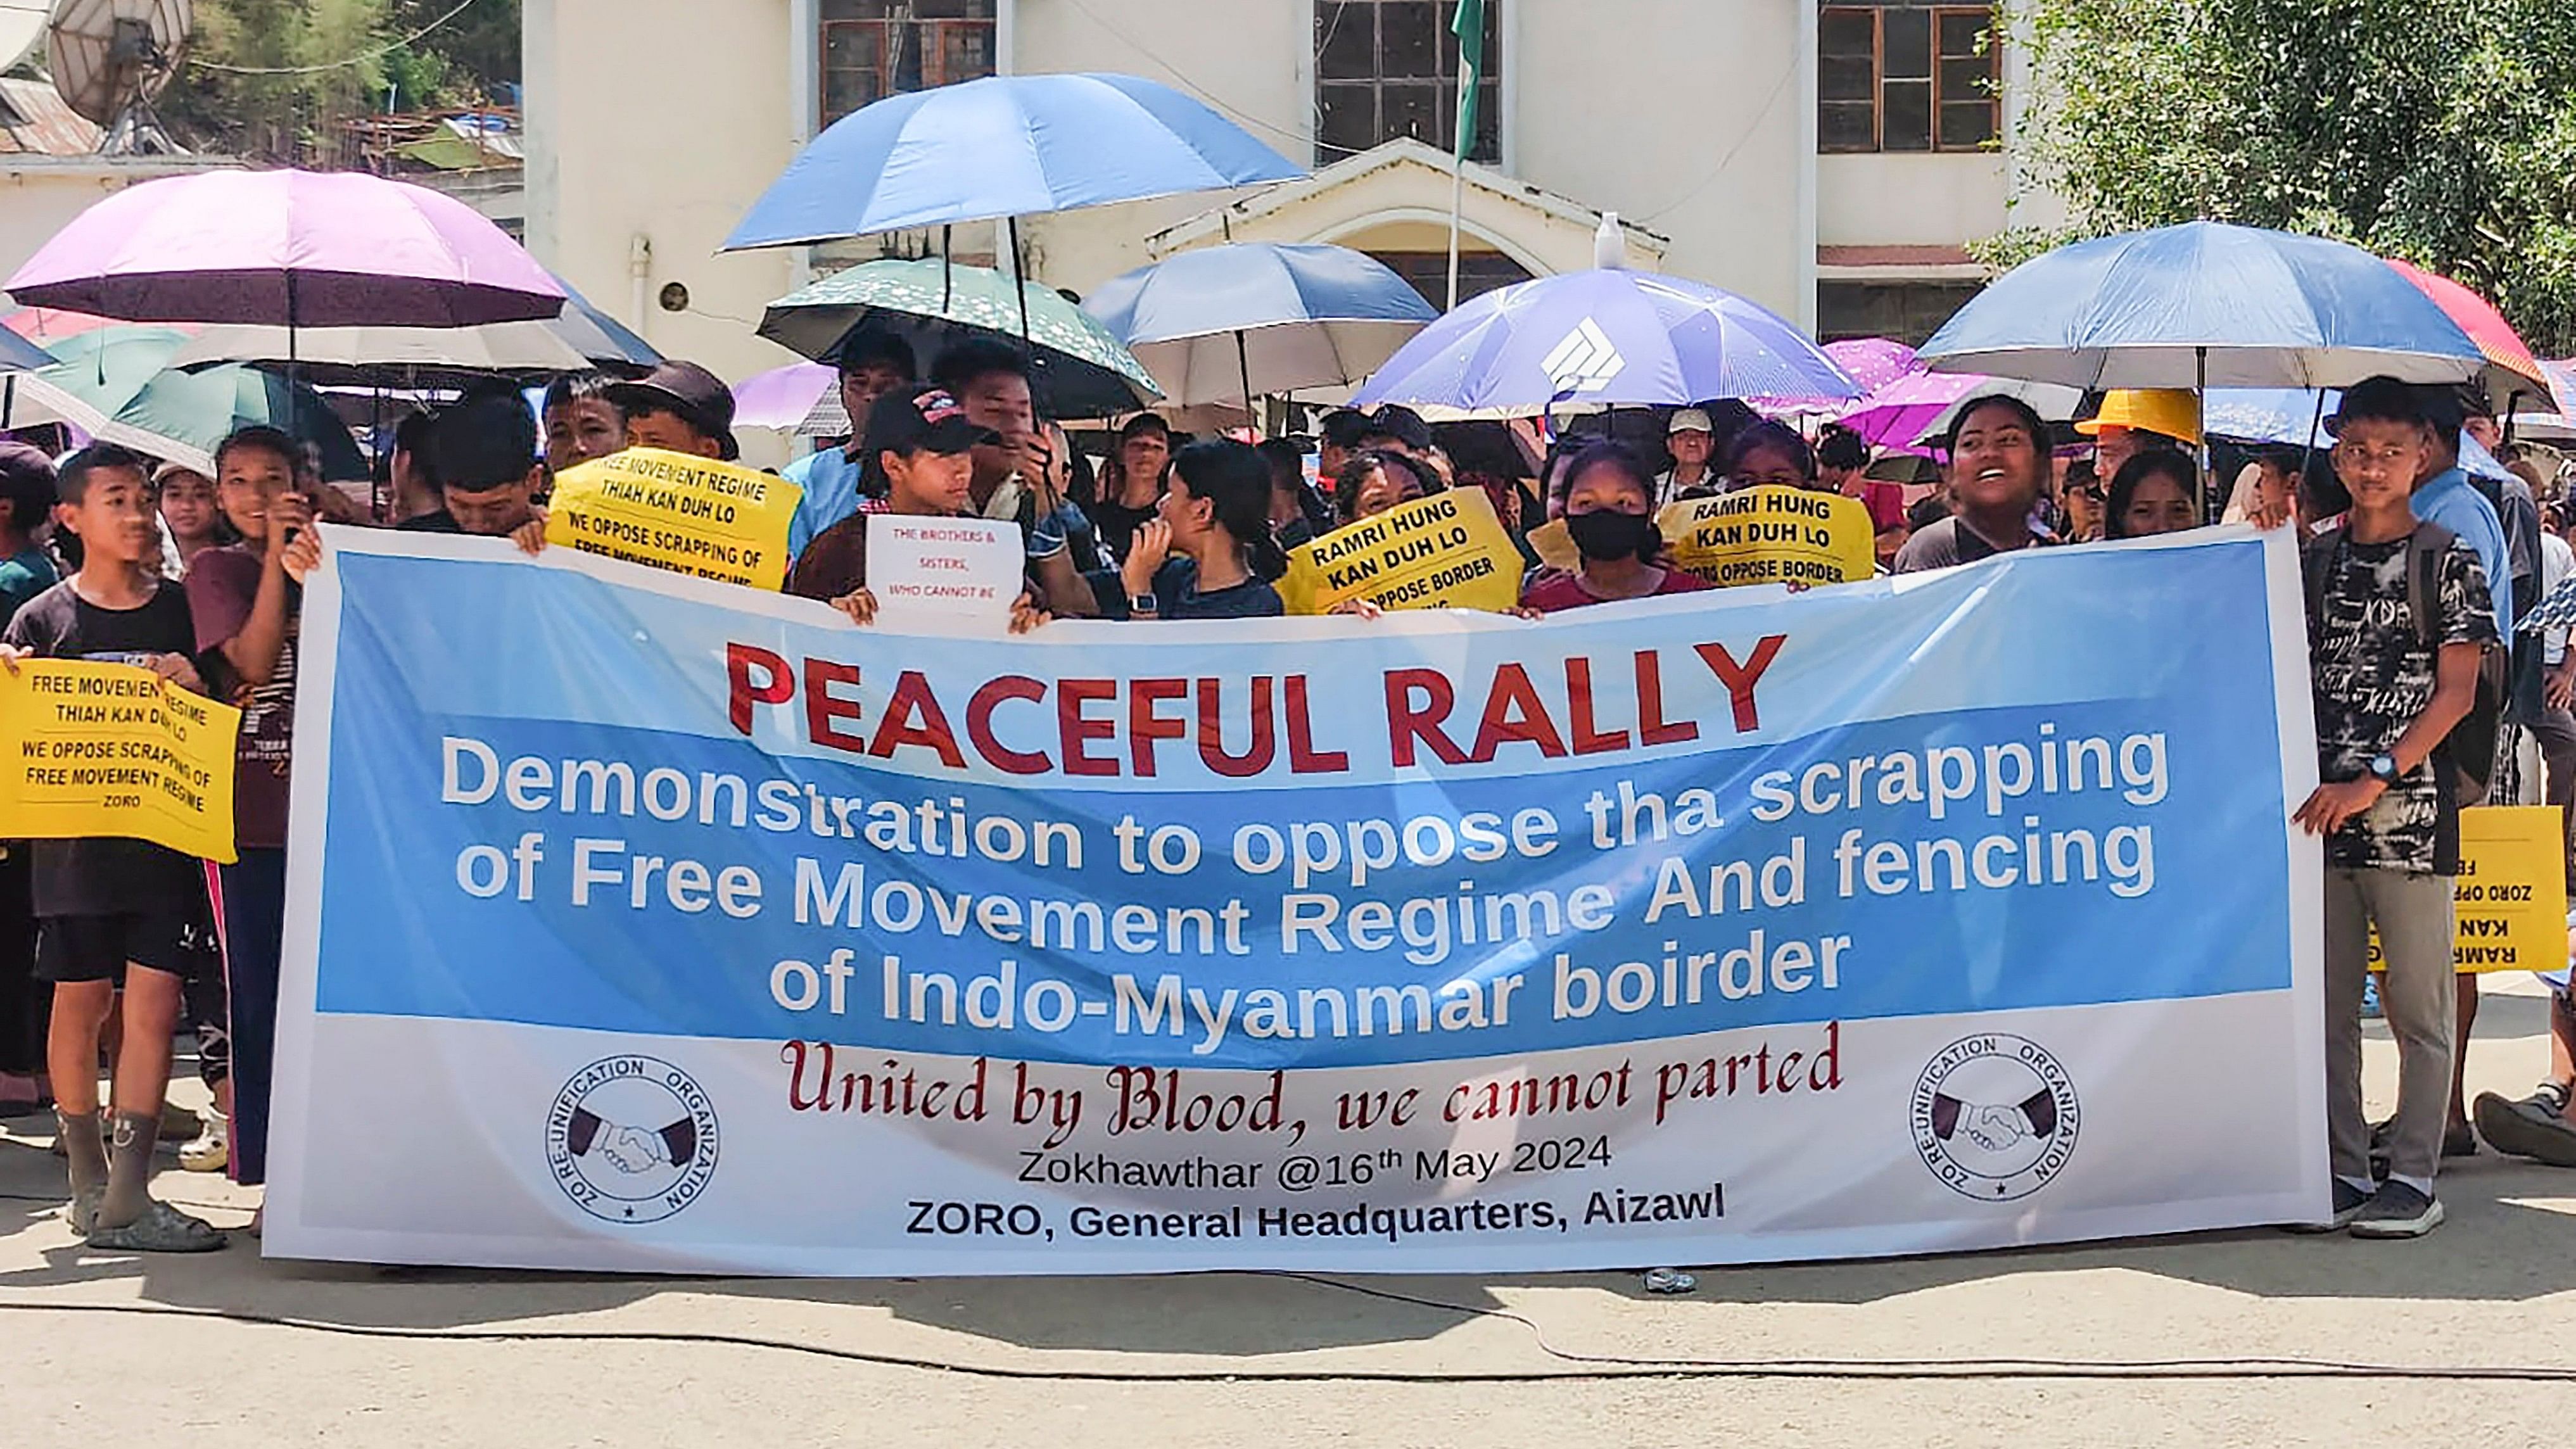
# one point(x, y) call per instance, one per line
point(781, 397)
point(287, 248)
point(1604, 336)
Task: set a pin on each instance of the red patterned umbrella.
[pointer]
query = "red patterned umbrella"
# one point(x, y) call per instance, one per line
point(2511, 367)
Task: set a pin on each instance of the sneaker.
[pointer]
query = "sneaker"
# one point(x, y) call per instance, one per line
point(2397, 1211)
point(210, 1151)
point(2348, 1203)
point(2535, 1127)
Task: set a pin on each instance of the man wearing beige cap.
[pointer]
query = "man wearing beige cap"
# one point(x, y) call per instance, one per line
point(1691, 438)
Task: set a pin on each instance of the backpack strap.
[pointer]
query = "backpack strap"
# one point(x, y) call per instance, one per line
point(2424, 550)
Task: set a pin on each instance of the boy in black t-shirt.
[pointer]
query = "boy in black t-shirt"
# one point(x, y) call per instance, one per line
point(115, 912)
point(2399, 614)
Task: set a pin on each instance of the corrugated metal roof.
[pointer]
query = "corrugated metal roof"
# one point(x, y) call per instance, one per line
point(35, 121)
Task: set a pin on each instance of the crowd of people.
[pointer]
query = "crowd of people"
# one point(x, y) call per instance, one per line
point(2412, 633)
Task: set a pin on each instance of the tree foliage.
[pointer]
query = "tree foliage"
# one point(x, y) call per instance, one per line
point(327, 62)
point(2442, 134)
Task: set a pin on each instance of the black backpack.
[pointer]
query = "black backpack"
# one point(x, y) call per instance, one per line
point(2470, 748)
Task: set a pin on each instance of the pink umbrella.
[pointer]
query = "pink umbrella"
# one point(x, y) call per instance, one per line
point(782, 396)
point(287, 248)
point(1873, 362)
point(1896, 414)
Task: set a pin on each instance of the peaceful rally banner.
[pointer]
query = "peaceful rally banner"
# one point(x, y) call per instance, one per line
point(1449, 550)
point(114, 749)
point(1946, 912)
point(692, 515)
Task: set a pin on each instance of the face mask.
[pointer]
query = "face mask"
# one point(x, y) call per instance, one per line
point(1608, 535)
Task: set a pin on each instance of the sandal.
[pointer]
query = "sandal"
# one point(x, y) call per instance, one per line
point(82, 1212)
point(161, 1229)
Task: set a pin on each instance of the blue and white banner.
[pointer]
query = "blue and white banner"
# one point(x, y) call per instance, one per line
point(638, 922)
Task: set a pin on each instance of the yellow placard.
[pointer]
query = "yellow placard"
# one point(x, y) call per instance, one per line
point(2511, 895)
point(1447, 551)
point(675, 511)
point(1766, 535)
point(115, 750)
point(1771, 535)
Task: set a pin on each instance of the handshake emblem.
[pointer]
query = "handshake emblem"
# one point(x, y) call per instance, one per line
point(632, 1150)
point(1994, 1128)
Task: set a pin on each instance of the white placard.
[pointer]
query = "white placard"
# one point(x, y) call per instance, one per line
point(950, 575)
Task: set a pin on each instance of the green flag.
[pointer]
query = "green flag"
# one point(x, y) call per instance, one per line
point(1468, 24)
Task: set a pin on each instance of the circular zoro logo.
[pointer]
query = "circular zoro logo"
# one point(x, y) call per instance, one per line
point(1995, 1116)
point(632, 1139)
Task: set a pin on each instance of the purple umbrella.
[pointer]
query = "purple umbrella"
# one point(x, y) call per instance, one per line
point(1873, 362)
point(782, 396)
point(1604, 336)
point(1896, 414)
point(287, 248)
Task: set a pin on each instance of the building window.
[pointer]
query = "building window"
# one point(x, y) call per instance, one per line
point(877, 48)
point(1910, 312)
point(1905, 77)
point(1389, 68)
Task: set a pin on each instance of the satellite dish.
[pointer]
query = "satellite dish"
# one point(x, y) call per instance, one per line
point(109, 58)
point(22, 29)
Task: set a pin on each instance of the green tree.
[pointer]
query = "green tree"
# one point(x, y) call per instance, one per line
point(279, 79)
point(2439, 134)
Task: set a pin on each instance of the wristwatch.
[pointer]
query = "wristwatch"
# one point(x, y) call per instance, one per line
point(2383, 768)
point(1144, 604)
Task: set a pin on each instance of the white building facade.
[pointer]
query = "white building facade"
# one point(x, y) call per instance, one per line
point(1831, 161)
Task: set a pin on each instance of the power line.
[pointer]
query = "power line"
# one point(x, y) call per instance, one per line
point(359, 59)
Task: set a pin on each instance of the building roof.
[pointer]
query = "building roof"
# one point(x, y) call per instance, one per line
point(35, 121)
point(1404, 151)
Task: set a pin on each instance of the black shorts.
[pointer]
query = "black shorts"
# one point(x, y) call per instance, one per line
point(97, 948)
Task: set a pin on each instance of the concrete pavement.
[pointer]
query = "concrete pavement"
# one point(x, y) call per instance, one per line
point(115, 1350)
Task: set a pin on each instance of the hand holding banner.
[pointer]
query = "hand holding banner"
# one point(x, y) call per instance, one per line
point(115, 750)
point(690, 515)
point(1447, 551)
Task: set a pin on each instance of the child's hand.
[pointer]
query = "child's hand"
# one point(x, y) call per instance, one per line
point(531, 535)
point(302, 556)
point(179, 671)
point(10, 654)
point(859, 605)
point(291, 513)
point(1027, 614)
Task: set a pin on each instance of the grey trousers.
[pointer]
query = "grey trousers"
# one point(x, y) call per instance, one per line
point(2418, 997)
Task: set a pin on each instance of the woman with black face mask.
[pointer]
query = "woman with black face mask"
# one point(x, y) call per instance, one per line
point(1609, 509)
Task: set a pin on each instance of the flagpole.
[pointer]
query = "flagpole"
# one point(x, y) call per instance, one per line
point(1457, 197)
point(1467, 25)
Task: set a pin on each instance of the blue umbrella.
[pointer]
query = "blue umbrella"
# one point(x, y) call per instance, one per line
point(2204, 305)
point(1604, 336)
point(1003, 146)
point(1234, 322)
point(2288, 415)
point(17, 354)
point(602, 338)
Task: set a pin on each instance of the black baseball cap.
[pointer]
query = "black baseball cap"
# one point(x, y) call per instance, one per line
point(921, 420)
point(696, 395)
point(1402, 424)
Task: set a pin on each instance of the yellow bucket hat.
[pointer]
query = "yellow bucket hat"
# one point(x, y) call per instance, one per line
point(2167, 410)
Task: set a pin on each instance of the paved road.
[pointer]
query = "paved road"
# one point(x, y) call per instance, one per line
point(417, 1358)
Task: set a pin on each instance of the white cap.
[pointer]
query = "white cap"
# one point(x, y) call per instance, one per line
point(1691, 420)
